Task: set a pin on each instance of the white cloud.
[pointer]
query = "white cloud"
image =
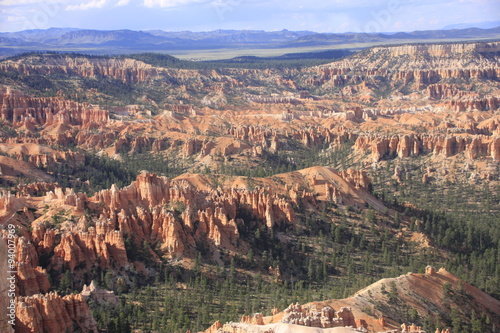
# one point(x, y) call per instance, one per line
point(88, 5)
point(319, 15)
point(9, 3)
point(122, 3)
point(14, 19)
point(169, 3)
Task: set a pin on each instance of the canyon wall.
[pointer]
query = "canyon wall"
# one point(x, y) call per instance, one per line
point(415, 145)
point(23, 110)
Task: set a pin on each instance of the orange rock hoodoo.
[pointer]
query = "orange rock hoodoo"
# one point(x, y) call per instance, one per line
point(37, 311)
point(414, 145)
point(52, 313)
point(167, 211)
point(31, 278)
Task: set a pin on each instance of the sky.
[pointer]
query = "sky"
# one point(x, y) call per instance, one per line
point(206, 15)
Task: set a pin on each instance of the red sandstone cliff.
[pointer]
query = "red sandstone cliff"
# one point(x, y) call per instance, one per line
point(127, 70)
point(19, 109)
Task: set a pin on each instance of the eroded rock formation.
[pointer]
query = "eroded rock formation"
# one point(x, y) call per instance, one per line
point(176, 215)
point(31, 278)
point(429, 65)
point(414, 145)
point(310, 315)
point(126, 70)
point(164, 211)
point(98, 295)
point(19, 109)
point(52, 313)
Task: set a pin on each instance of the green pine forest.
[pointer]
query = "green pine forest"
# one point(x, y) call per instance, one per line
point(335, 250)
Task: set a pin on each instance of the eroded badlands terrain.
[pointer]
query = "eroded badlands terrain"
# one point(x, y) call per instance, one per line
point(121, 172)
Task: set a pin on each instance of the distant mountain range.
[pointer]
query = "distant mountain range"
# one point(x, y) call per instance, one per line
point(129, 41)
point(482, 25)
point(428, 35)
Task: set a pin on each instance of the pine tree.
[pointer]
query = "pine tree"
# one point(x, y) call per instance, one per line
point(66, 284)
